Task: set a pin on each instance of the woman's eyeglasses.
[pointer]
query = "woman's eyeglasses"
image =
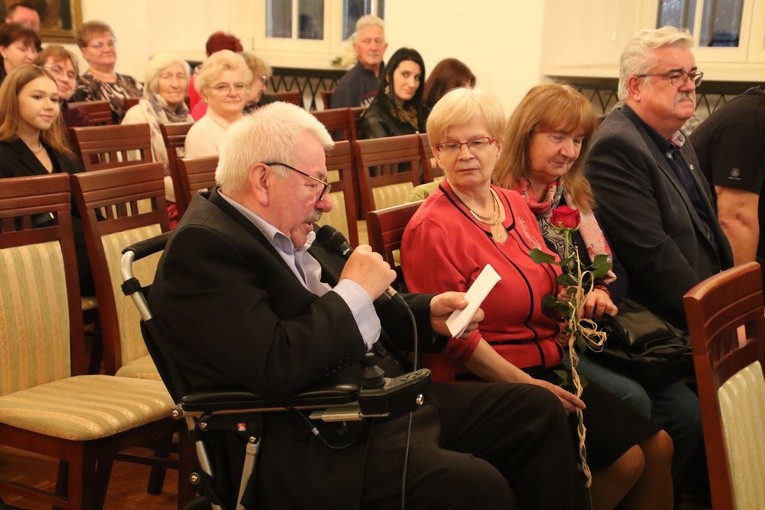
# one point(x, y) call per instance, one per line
point(227, 88)
point(473, 146)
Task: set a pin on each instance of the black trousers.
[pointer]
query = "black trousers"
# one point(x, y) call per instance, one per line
point(488, 446)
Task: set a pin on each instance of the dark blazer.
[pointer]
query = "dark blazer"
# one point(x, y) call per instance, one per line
point(16, 160)
point(650, 221)
point(237, 317)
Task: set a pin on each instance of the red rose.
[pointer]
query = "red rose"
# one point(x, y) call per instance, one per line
point(565, 217)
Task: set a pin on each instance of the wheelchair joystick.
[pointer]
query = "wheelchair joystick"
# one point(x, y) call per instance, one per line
point(373, 375)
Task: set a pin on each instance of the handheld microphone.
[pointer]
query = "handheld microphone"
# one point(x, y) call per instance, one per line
point(335, 242)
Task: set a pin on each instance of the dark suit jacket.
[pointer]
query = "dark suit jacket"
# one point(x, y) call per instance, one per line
point(16, 160)
point(237, 317)
point(650, 221)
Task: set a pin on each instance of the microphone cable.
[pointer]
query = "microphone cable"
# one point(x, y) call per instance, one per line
point(335, 242)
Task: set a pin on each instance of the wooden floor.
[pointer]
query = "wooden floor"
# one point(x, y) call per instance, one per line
point(127, 488)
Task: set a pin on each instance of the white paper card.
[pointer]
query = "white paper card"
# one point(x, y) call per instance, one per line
point(459, 319)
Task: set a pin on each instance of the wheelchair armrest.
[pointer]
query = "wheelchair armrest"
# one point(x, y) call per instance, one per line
point(218, 401)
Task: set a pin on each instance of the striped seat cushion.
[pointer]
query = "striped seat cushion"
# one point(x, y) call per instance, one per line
point(742, 409)
point(131, 340)
point(86, 407)
point(393, 194)
point(141, 368)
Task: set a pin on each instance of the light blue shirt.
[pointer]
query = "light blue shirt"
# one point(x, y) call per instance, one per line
point(308, 271)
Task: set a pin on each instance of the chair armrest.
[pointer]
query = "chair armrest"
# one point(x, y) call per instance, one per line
point(217, 401)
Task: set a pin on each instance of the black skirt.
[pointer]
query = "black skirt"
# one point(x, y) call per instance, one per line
point(613, 426)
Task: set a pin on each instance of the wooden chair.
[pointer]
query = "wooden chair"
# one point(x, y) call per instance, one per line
point(130, 102)
point(99, 112)
point(726, 320)
point(112, 146)
point(431, 170)
point(339, 122)
point(291, 96)
point(174, 136)
point(47, 405)
point(340, 173)
point(326, 98)
point(386, 228)
point(388, 169)
point(108, 202)
point(196, 174)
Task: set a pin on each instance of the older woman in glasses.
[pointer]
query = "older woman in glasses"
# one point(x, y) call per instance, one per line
point(100, 81)
point(222, 81)
point(466, 224)
point(167, 76)
point(62, 64)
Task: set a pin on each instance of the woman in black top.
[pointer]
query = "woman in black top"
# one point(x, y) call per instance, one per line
point(398, 108)
point(33, 141)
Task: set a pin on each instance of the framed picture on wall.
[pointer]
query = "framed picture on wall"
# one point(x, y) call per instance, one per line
point(59, 19)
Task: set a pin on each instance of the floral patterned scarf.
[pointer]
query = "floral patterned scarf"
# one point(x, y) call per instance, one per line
point(542, 207)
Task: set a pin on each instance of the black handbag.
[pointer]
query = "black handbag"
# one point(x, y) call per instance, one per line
point(644, 346)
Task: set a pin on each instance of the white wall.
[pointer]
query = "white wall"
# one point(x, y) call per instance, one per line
point(500, 40)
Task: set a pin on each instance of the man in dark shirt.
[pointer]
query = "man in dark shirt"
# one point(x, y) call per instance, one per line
point(359, 86)
point(731, 149)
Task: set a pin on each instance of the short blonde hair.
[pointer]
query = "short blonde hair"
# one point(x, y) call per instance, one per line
point(637, 56)
point(269, 134)
point(215, 64)
point(461, 105)
point(157, 64)
point(256, 64)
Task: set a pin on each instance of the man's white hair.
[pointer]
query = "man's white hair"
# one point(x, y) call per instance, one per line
point(270, 133)
point(638, 58)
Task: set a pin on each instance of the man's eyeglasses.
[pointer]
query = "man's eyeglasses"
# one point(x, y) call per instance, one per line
point(58, 70)
point(326, 186)
point(473, 146)
point(227, 88)
point(98, 45)
point(678, 78)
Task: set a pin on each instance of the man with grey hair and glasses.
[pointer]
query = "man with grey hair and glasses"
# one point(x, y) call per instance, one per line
point(654, 203)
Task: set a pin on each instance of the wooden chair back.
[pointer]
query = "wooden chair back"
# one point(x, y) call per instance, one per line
point(388, 169)
point(35, 211)
point(339, 122)
point(196, 174)
point(291, 96)
point(326, 98)
point(726, 321)
point(174, 136)
point(99, 112)
point(431, 169)
point(340, 170)
point(119, 207)
point(386, 228)
point(112, 146)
